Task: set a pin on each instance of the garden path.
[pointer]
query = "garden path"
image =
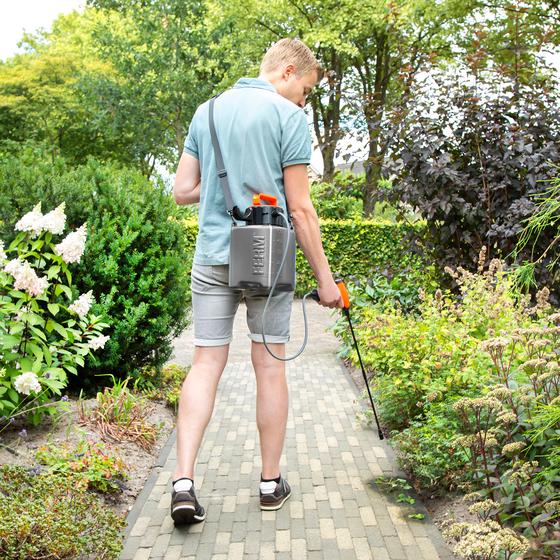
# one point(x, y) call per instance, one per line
point(335, 511)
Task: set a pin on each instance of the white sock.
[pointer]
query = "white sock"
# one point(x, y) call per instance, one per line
point(268, 487)
point(183, 485)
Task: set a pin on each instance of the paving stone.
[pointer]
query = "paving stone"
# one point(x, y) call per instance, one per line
point(283, 540)
point(161, 544)
point(344, 539)
point(252, 542)
point(313, 539)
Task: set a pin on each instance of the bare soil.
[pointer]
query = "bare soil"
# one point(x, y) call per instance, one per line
point(17, 448)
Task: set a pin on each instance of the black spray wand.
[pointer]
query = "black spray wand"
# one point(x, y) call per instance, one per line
point(346, 300)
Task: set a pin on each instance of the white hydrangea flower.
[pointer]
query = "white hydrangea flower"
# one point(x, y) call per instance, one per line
point(31, 222)
point(55, 220)
point(71, 248)
point(13, 267)
point(82, 304)
point(26, 383)
point(98, 342)
point(26, 278)
point(3, 256)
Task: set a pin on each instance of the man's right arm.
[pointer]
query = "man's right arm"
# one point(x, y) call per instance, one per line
point(306, 226)
point(186, 188)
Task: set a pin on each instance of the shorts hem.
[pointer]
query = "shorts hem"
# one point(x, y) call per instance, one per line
point(213, 342)
point(269, 338)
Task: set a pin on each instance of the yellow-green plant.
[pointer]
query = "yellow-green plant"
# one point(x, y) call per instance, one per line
point(165, 385)
point(47, 515)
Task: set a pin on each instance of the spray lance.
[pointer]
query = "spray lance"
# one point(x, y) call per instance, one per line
point(314, 294)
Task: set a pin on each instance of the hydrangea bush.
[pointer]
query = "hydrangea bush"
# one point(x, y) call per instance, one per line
point(45, 330)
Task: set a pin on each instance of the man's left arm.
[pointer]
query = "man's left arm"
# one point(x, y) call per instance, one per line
point(186, 189)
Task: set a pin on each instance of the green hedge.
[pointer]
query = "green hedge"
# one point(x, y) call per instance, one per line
point(354, 249)
point(136, 260)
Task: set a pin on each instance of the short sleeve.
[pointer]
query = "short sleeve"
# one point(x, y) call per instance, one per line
point(296, 141)
point(191, 143)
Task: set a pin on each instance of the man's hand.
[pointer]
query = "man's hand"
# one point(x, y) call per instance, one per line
point(329, 295)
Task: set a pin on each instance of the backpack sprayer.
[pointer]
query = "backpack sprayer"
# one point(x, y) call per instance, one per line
point(263, 254)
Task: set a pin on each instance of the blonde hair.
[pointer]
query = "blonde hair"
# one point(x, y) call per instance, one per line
point(291, 51)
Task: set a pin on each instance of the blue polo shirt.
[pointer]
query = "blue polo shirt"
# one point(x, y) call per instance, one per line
point(260, 132)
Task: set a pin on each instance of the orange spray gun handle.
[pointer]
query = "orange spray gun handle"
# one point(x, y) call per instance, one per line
point(314, 294)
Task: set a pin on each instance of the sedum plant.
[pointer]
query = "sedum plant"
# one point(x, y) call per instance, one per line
point(44, 329)
point(94, 465)
point(49, 516)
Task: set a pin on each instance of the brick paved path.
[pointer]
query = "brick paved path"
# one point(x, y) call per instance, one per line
point(335, 510)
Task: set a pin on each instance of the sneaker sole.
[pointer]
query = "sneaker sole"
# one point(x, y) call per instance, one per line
point(183, 515)
point(274, 507)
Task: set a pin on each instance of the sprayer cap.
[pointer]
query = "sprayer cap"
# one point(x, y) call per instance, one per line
point(266, 198)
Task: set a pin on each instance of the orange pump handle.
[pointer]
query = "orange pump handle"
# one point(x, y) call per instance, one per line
point(266, 198)
point(343, 293)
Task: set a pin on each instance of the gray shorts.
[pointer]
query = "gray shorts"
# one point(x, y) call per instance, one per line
point(214, 305)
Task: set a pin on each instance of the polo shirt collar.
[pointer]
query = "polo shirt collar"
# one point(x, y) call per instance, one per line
point(254, 83)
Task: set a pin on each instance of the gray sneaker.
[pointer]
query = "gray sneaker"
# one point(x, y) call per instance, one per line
point(274, 495)
point(185, 508)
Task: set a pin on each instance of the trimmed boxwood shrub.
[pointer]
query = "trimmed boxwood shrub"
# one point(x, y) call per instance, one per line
point(136, 260)
point(357, 250)
point(51, 516)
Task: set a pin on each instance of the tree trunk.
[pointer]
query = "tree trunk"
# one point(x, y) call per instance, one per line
point(373, 174)
point(375, 81)
point(327, 151)
point(326, 118)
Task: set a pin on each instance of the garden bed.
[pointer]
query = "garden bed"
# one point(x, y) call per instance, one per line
point(19, 445)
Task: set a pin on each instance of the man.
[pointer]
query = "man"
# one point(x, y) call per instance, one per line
point(263, 135)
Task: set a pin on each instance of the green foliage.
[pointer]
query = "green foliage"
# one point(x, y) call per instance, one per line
point(472, 384)
point(432, 356)
point(392, 485)
point(136, 259)
point(43, 94)
point(510, 37)
point(333, 203)
point(92, 466)
point(43, 335)
point(167, 62)
point(514, 472)
point(165, 385)
point(427, 449)
point(545, 221)
point(356, 248)
point(49, 516)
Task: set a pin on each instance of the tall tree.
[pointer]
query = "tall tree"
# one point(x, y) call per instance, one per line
point(511, 37)
point(168, 62)
point(373, 50)
point(40, 91)
point(269, 21)
point(393, 40)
